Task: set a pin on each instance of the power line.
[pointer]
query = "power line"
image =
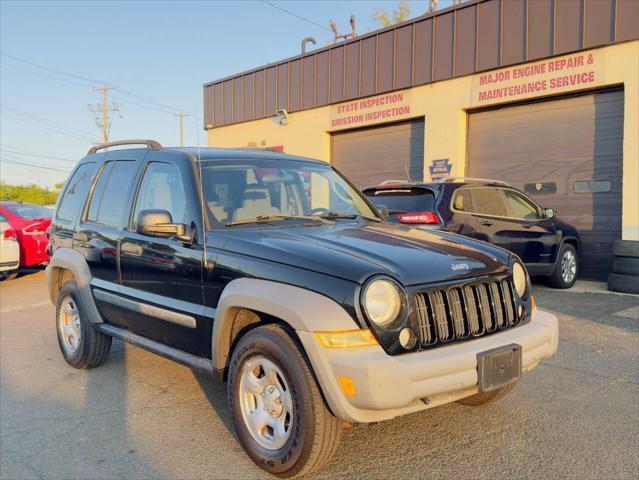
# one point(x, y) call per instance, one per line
point(11, 161)
point(296, 15)
point(46, 127)
point(90, 81)
point(51, 123)
point(33, 154)
point(44, 75)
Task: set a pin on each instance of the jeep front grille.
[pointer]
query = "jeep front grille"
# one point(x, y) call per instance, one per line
point(456, 313)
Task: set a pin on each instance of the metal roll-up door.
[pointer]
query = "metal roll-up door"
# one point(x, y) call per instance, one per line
point(566, 154)
point(368, 156)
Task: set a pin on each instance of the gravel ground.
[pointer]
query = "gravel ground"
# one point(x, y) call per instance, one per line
point(140, 416)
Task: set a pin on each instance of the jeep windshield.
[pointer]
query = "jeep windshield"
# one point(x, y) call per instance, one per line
point(241, 192)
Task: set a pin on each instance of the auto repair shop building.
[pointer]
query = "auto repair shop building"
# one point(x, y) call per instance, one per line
point(543, 94)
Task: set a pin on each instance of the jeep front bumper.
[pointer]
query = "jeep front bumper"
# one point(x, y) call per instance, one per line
point(388, 386)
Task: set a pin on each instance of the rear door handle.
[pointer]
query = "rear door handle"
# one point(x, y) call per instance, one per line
point(80, 237)
point(488, 223)
point(131, 249)
point(527, 226)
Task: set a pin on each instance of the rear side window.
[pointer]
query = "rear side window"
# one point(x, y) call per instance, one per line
point(402, 200)
point(489, 201)
point(111, 193)
point(77, 186)
point(3, 218)
point(463, 201)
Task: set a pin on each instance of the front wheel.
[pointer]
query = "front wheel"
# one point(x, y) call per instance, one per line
point(566, 268)
point(278, 412)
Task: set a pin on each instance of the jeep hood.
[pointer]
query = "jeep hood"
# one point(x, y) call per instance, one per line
point(356, 251)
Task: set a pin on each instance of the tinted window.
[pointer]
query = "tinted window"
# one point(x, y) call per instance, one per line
point(593, 186)
point(77, 186)
point(403, 200)
point(489, 201)
point(3, 218)
point(162, 188)
point(98, 192)
point(463, 201)
point(29, 211)
point(110, 193)
point(521, 207)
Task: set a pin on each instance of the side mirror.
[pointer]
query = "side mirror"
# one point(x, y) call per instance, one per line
point(549, 212)
point(158, 223)
point(383, 211)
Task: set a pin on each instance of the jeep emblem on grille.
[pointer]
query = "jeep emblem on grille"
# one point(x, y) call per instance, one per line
point(459, 266)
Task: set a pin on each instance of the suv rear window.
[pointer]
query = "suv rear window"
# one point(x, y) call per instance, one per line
point(400, 200)
point(77, 187)
point(29, 212)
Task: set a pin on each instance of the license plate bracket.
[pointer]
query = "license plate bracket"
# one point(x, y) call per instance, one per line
point(498, 367)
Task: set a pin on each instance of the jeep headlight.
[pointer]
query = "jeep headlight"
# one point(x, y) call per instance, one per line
point(382, 301)
point(520, 279)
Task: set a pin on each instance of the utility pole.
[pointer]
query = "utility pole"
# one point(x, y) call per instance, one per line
point(103, 124)
point(181, 115)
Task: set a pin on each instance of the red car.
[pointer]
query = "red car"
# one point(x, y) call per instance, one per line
point(30, 223)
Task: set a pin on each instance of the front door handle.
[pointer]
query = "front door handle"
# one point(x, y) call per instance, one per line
point(131, 249)
point(488, 223)
point(80, 237)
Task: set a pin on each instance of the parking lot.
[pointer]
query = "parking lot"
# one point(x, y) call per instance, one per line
point(140, 416)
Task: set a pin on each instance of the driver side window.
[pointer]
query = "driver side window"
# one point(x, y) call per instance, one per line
point(521, 207)
point(162, 189)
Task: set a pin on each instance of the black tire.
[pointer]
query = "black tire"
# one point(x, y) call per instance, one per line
point(618, 282)
point(487, 397)
point(315, 432)
point(626, 248)
point(94, 346)
point(556, 279)
point(10, 275)
point(626, 266)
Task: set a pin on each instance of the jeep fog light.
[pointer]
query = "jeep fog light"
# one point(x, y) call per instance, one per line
point(407, 338)
point(520, 279)
point(382, 302)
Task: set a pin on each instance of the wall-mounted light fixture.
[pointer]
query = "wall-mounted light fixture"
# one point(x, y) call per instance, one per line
point(282, 116)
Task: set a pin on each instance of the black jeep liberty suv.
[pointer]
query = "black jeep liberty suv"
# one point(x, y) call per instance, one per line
point(276, 274)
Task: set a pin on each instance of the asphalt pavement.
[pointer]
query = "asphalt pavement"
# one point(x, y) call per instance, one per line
point(141, 416)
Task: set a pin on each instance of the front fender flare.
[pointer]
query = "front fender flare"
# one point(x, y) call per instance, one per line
point(72, 261)
point(300, 308)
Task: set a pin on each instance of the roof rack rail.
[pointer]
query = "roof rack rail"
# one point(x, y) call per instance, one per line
point(473, 179)
point(152, 144)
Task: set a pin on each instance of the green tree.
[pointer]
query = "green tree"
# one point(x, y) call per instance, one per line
point(400, 14)
point(28, 194)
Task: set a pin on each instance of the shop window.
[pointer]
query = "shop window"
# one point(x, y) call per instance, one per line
point(540, 188)
point(592, 186)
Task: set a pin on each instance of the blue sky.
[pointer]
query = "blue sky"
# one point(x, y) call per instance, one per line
point(157, 53)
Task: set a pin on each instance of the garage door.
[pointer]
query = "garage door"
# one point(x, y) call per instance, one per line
point(567, 154)
point(371, 155)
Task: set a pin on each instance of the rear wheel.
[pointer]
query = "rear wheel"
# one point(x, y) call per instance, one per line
point(486, 397)
point(566, 268)
point(278, 411)
point(82, 346)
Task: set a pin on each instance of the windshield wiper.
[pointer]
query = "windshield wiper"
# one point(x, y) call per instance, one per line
point(334, 215)
point(272, 218)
